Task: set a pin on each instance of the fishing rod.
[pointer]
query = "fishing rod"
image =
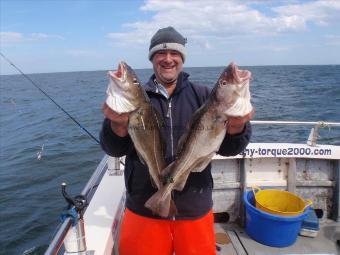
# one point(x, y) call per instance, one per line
point(42, 91)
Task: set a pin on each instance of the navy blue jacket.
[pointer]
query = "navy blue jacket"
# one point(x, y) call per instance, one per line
point(195, 200)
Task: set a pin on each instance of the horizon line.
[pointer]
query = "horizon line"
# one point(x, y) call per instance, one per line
point(150, 68)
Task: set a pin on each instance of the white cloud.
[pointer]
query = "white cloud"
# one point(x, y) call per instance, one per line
point(12, 38)
point(323, 12)
point(278, 48)
point(212, 21)
point(42, 36)
point(135, 37)
point(80, 53)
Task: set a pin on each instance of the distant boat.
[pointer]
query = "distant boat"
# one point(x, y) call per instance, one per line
point(310, 170)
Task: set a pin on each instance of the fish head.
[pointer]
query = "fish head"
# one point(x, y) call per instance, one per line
point(232, 87)
point(124, 80)
point(124, 90)
point(234, 77)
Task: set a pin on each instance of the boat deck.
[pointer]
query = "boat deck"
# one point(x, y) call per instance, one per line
point(316, 177)
point(233, 240)
point(237, 242)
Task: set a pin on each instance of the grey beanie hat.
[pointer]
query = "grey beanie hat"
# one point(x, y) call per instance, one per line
point(167, 39)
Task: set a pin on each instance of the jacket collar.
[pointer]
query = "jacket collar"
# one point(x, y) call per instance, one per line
point(150, 86)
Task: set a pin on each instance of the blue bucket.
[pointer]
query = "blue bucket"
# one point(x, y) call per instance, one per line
point(269, 229)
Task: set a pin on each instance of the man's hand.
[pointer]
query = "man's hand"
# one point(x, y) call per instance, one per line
point(119, 122)
point(235, 125)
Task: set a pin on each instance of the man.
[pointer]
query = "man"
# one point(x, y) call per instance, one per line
point(176, 99)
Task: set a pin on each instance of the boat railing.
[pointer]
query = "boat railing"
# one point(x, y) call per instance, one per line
point(314, 133)
point(87, 192)
point(96, 177)
point(298, 123)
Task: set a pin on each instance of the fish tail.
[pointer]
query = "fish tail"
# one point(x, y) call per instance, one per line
point(161, 204)
point(173, 208)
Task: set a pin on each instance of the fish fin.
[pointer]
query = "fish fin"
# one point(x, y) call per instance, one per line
point(173, 209)
point(141, 158)
point(166, 173)
point(158, 205)
point(183, 180)
point(194, 125)
point(158, 117)
point(160, 123)
point(153, 183)
point(198, 167)
point(202, 163)
point(181, 142)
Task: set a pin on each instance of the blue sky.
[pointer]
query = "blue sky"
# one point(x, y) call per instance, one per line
point(59, 36)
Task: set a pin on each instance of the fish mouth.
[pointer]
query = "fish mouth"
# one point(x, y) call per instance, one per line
point(233, 74)
point(120, 73)
point(241, 74)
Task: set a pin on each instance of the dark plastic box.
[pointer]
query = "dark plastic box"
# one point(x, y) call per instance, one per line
point(310, 225)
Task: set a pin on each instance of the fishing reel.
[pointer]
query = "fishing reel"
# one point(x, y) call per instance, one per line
point(75, 241)
point(79, 202)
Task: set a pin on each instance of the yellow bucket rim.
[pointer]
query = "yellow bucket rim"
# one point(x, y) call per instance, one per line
point(307, 202)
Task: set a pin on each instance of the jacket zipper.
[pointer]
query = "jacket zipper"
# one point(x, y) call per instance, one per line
point(169, 115)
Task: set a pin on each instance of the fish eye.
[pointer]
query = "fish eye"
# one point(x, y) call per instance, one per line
point(223, 82)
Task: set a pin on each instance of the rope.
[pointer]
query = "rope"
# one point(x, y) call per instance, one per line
point(49, 97)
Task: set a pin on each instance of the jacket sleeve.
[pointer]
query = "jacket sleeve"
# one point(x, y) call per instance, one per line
point(113, 144)
point(235, 144)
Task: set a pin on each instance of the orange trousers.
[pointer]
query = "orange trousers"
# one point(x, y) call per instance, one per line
point(146, 236)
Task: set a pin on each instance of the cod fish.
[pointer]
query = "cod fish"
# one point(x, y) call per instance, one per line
point(125, 94)
point(203, 138)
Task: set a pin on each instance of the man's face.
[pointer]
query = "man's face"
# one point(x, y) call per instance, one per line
point(167, 64)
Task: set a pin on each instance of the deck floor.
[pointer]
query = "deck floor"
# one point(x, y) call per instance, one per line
point(240, 243)
point(237, 242)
